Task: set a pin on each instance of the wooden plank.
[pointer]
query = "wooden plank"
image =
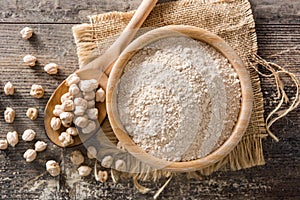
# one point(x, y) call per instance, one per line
point(65, 11)
point(60, 11)
point(276, 12)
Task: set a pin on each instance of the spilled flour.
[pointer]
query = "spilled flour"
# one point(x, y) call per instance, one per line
point(178, 99)
point(77, 187)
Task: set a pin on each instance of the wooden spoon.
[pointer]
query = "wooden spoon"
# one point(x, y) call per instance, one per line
point(98, 69)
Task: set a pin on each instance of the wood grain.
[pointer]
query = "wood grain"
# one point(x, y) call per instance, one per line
point(76, 11)
point(276, 12)
point(60, 11)
point(278, 30)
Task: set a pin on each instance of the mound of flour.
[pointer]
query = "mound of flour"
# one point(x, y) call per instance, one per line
point(178, 99)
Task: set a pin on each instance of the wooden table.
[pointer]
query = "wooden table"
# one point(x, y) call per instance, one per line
point(278, 30)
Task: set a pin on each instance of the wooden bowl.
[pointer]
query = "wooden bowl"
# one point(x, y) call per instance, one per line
point(221, 46)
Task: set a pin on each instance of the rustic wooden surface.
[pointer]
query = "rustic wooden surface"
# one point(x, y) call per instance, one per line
point(278, 30)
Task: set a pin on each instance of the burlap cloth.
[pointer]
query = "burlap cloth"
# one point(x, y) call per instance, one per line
point(232, 20)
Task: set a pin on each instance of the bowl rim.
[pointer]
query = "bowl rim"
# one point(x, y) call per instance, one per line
point(221, 46)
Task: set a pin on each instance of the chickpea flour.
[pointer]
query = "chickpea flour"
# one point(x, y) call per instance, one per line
point(179, 99)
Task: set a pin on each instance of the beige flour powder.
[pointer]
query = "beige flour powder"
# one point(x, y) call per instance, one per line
point(178, 99)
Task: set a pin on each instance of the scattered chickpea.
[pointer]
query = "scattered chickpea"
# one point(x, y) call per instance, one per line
point(120, 165)
point(3, 144)
point(76, 157)
point(72, 131)
point(66, 124)
point(65, 139)
point(89, 95)
point(55, 123)
point(88, 85)
point(68, 105)
point(58, 109)
point(81, 121)
point(91, 126)
point(37, 91)
point(26, 33)
point(65, 97)
point(51, 68)
point(32, 113)
point(9, 89)
point(74, 89)
point(52, 168)
point(12, 138)
point(30, 155)
point(81, 102)
point(121, 146)
point(79, 110)
point(66, 117)
point(107, 161)
point(72, 79)
point(102, 176)
point(40, 146)
point(91, 152)
point(100, 95)
point(28, 135)
point(9, 115)
point(92, 113)
point(84, 170)
point(29, 60)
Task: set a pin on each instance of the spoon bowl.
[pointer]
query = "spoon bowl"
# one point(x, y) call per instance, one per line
point(55, 100)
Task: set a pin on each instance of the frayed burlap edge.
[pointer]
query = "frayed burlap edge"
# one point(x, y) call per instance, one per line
point(248, 152)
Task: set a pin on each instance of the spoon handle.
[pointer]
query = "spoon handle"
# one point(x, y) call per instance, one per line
point(105, 61)
point(133, 26)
